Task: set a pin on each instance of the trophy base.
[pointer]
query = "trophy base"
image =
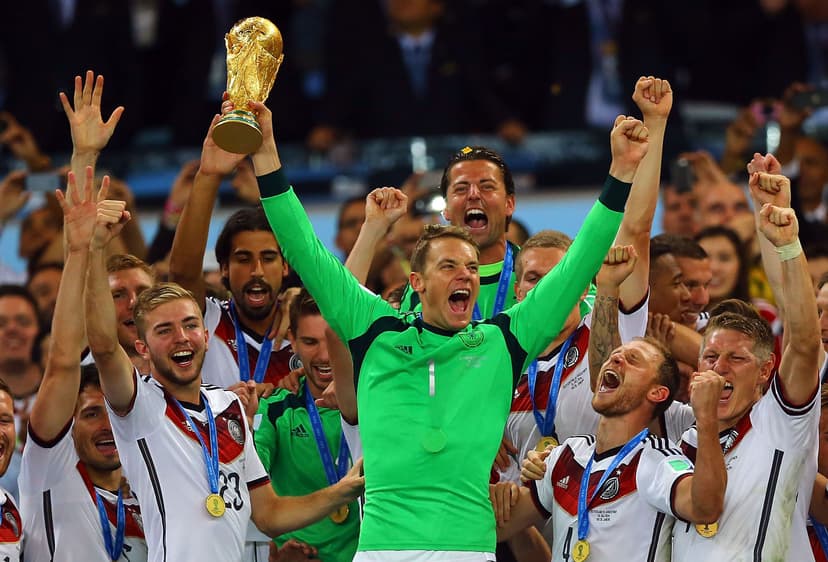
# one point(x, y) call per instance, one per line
point(238, 132)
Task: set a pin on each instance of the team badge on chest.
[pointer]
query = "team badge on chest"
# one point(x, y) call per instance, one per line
point(235, 430)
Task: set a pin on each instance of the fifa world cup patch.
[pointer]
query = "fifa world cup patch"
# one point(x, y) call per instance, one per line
point(679, 465)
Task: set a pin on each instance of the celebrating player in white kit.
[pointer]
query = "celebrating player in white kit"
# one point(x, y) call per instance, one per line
point(769, 441)
point(186, 448)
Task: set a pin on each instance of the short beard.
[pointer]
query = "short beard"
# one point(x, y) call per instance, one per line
point(254, 313)
point(102, 467)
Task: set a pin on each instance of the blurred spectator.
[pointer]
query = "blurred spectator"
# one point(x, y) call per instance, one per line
point(19, 329)
point(41, 237)
point(348, 223)
point(817, 261)
point(418, 74)
point(21, 143)
point(43, 283)
point(728, 263)
point(678, 211)
point(812, 181)
point(516, 232)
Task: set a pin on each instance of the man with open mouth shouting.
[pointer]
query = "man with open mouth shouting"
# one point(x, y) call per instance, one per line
point(769, 441)
point(186, 447)
point(418, 369)
point(617, 494)
point(247, 329)
point(75, 500)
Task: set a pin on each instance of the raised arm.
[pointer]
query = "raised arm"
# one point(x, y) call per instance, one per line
point(276, 515)
point(700, 498)
point(774, 192)
point(55, 406)
point(654, 98)
point(620, 263)
point(116, 369)
point(383, 207)
point(190, 243)
point(540, 316)
point(799, 369)
point(90, 134)
point(325, 277)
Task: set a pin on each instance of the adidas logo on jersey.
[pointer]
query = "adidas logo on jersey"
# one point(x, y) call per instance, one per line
point(563, 482)
point(299, 431)
point(407, 349)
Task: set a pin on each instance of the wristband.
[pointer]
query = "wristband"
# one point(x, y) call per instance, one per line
point(789, 251)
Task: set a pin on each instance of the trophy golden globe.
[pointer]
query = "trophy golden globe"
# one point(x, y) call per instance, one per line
point(254, 54)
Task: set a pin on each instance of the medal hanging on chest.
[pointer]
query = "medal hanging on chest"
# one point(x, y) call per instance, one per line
point(214, 503)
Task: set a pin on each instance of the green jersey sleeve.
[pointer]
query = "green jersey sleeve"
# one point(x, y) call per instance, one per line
point(349, 308)
point(537, 319)
point(265, 436)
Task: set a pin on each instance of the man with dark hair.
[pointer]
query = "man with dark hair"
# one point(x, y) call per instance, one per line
point(769, 440)
point(348, 223)
point(679, 278)
point(479, 190)
point(419, 366)
point(43, 283)
point(292, 431)
point(74, 498)
point(246, 331)
point(181, 441)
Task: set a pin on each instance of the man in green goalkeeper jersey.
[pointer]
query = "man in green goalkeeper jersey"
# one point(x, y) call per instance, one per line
point(433, 390)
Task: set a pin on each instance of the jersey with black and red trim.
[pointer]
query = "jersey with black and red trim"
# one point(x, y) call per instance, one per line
point(771, 465)
point(221, 363)
point(575, 415)
point(164, 462)
point(11, 529)
point(60, 509)
point(631, 518)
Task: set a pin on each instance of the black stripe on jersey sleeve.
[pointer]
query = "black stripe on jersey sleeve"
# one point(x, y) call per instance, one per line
point(661, 445)
point(156, 489)
point(516, 352)
point(359, 346)
point(590, 439)
point(49, 522)
point(659, 522)
point(792, 410)
point(48, 443)
point(258, 482)
point(290, 402)
point(673, 489)
point(533, 491)
point(767, 505)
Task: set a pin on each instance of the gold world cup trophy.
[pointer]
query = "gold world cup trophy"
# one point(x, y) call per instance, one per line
point(254, 54)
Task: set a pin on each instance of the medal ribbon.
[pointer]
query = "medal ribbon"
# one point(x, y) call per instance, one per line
point(241, 351)
point(334, 474)
point(502, 286)
point(583, 510)
point(546, 424)
point(114, 550)
point(210, 460)
point(822, 535)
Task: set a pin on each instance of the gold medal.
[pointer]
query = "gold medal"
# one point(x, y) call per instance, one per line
point(581, 551)
point(545, 442)
point(708, 530)
point(215, 505)
point(340, 515)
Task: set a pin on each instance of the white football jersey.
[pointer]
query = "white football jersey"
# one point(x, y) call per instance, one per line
point(11, 529)
point(60, 510)
point(631, 518)
point(575, 415)
point(164, 463)
point(771, 466)
point(221, 364)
